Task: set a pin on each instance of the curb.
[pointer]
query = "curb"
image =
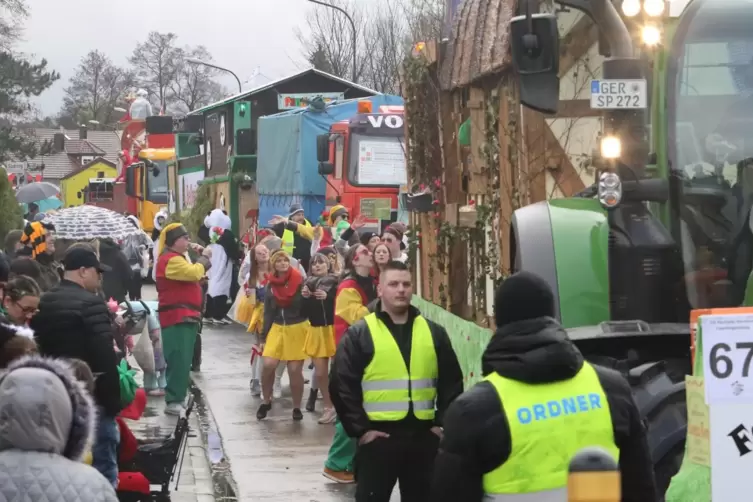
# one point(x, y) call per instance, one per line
point(222, 476)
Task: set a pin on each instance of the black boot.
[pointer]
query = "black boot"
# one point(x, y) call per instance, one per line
point(311, 402)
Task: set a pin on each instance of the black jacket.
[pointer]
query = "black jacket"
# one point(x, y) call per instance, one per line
point(476, 433)
point(320, 312)
point(302, 250)
point(74, 323)
point(354, 353)
point(115, 282)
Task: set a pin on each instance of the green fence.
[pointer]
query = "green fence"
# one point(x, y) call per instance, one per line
point(468, 339)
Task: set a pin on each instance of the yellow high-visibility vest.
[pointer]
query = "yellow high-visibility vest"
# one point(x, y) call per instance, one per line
point(389, 388)
point(549, 424)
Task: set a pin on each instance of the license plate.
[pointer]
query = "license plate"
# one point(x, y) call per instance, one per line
point(619, 94)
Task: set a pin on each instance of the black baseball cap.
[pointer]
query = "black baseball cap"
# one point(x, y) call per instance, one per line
point(77, 258)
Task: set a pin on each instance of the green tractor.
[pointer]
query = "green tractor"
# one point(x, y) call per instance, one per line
point(667, 227)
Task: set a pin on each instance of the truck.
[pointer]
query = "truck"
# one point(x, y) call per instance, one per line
point(363, 161)
point(143, 184)
point(666, 229)
point(289, 146)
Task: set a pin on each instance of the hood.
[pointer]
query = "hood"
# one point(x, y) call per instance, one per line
point(532, 351)
point(106, 246)
point(218, 218)
point(134, 221)
point(162, 213)
point(43, 408)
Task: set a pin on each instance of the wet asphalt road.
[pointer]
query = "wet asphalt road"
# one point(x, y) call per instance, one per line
point(276, 459)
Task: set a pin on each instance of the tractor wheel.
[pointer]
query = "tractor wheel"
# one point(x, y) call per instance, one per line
point(661, 403)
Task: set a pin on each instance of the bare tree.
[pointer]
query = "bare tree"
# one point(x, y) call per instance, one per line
point(194, 85)
point(386, 34)
point(95, 89)
point(156, 63)
point(329, 37)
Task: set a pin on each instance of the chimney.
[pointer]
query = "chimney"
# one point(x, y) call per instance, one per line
point(82, 132)
point(58, 141)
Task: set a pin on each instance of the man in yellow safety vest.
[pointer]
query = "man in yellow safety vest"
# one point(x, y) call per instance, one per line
point(511, 437)
point(394, 375)
point(296, 233)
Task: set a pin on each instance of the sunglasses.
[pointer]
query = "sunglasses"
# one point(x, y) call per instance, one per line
point(364, 252)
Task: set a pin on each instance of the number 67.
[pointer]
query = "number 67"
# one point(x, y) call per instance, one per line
point(715, 358)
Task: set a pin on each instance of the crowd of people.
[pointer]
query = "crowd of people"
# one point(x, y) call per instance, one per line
point(391, 382)
point(328, 293)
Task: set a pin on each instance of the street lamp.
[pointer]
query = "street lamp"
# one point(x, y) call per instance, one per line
point(352, 25)
point(210, 65)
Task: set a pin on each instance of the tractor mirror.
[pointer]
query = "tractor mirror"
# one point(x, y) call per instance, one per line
point(322, 147)
point(326, 168)
point(535, 57)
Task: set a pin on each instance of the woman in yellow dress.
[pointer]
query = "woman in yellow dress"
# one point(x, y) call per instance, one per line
point(255, 288)
point(284, 332)
point(318, 293)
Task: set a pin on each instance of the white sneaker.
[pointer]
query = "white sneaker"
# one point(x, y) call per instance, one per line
point(223, 322)
point(277, 390)
point(209, 321)
point(255, 388)
point(175, 409)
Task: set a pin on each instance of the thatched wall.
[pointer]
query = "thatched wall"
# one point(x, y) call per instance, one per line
point(480, 43)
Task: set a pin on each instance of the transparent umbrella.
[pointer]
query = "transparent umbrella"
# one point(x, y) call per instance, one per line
point(82, 223)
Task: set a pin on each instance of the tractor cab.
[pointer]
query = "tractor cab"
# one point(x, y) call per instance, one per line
point(710, 148)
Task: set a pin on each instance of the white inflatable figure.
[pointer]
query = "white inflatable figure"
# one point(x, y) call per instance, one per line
point(141, 108)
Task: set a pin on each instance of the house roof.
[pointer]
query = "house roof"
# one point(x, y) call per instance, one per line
point(98, 160)
point(277, 82)
point(104, 144)
point(477, 48)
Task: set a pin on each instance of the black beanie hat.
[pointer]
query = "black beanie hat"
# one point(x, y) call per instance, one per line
point(366, 237)
point(522, 296)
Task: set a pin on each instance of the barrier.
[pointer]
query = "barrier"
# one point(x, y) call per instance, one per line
point(468, 339)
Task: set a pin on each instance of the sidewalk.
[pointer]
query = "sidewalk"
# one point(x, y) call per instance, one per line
point(194, 476)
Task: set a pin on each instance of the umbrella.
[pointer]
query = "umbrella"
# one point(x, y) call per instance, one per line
point(82, 223)
point(36, 191)
point(45, 205)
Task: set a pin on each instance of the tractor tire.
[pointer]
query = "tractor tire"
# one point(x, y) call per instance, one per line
point(661, 403)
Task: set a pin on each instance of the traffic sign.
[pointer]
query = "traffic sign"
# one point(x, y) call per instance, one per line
point(727, 342)
point(619, 94)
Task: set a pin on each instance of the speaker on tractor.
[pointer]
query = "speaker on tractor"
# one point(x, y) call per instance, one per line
point(159, 124)
point(246, 142)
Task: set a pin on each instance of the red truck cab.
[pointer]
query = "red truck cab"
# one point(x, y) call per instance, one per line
point(363, 160)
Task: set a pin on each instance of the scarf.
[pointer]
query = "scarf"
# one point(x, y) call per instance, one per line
point(285, 287)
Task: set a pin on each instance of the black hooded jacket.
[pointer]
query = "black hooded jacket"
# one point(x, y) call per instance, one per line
point(477, 436)
point(355, 352)
point(115, 282)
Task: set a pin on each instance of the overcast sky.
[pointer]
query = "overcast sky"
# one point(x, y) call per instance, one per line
point(240, 34)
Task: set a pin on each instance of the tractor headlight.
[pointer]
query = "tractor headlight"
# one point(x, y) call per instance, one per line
point(650, 35)
point(611, 147)
point(631, 8)
point(610, 190)
point(653, 8)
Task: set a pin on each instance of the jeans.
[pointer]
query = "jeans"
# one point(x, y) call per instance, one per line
point(105, 449)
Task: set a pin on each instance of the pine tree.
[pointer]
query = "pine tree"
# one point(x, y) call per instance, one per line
point(20, 80)
point(10, 209)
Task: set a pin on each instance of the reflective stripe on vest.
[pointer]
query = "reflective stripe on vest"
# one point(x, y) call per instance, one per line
point(558, 495)
point(388, 387)
point(549, 424)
